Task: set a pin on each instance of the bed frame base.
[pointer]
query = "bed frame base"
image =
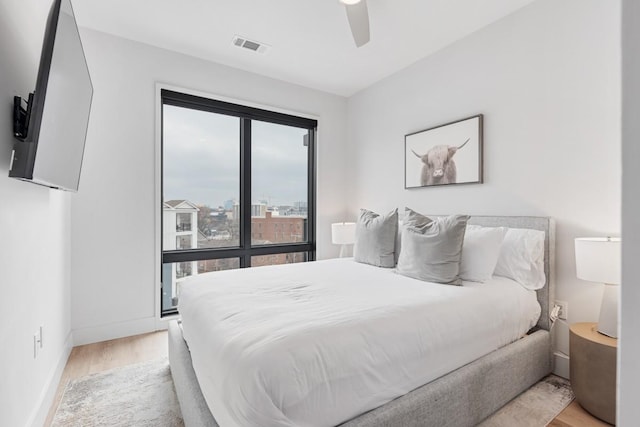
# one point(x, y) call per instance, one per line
point(463, 397)
point(195, 411)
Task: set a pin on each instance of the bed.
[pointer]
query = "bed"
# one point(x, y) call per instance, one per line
point(457, 388)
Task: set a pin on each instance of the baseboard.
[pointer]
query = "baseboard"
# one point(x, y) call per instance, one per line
point(561, 364)
point(48, 393)
point(163, 322)
point(113, 331)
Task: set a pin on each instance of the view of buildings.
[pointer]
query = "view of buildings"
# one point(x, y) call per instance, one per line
point(189, 226)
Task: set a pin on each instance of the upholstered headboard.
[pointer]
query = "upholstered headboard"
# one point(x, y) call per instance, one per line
point(546, 295)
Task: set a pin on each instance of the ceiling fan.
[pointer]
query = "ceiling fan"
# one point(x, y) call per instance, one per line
point(358, 16)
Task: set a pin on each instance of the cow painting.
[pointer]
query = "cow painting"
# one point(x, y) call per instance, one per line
point(439, 166)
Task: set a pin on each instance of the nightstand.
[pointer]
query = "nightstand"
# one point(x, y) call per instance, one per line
point(593, 370)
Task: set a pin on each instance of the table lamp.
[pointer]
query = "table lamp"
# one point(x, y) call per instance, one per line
point(598, 260)
point(343, 233)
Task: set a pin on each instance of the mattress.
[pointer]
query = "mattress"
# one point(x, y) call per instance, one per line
point(316, 344)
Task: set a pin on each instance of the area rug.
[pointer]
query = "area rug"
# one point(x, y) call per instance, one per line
point(536, 407)
point(136, 395)
point(143, 395)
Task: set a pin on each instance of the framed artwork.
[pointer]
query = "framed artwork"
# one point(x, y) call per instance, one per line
point(444, 155)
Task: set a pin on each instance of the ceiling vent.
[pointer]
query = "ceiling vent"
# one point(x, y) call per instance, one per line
point(252, 45)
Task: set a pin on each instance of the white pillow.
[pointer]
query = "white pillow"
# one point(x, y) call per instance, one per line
point(480, 252)
point(522, 258)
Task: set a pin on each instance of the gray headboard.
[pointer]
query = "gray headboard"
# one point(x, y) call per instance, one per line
point(546, 295)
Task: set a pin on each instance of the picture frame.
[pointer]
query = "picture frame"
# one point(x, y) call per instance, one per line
point(447, 154)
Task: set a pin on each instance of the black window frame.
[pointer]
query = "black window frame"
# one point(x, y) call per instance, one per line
point(245, 250)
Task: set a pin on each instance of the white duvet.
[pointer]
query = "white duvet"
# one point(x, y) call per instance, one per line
point(316, 344)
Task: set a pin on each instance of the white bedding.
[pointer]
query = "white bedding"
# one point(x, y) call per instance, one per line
point(316, 344)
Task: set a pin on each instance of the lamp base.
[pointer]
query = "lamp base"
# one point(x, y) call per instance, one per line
point(344, 251)
point(608, 322)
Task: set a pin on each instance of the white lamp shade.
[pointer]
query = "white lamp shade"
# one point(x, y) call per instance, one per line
point(343, 233)
point(598, 259)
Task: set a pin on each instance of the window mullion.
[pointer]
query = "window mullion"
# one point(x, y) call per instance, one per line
point(245, 189)
point(311, 193)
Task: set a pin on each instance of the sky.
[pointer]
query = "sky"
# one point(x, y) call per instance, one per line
point(201, 159)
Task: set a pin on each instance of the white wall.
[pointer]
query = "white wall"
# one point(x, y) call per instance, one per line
point(629, 342)
point(547, 79)
point(35, 234)
point(113, 276)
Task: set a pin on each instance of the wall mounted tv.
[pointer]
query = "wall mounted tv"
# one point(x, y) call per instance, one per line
point(51, 126)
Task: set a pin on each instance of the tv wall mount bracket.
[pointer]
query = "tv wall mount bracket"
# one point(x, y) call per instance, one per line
point(21, 116)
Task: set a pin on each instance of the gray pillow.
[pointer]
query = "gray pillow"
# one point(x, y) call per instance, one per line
point(431, 251)
point(413, 219)
point(376, 238)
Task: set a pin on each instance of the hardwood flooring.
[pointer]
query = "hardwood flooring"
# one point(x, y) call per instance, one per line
point(574, 416)
point(89, 359)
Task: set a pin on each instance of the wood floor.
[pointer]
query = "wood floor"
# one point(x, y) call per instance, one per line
point(89, 359)
point(574, 416)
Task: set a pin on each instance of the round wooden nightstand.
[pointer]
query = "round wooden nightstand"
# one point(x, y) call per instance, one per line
point(593, 370)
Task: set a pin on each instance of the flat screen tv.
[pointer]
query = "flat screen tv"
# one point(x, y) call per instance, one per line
point(51, 127)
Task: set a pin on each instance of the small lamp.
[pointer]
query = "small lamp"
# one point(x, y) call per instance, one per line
point(598, 260)
point(343, 233)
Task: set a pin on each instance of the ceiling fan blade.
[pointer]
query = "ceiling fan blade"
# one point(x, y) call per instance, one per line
point(358, 16)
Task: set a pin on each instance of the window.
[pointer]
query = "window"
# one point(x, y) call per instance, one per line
point(230, 175)
point(183, 242)
point(183, 221)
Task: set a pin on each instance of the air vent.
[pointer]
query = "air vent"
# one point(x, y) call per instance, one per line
point(252, 45)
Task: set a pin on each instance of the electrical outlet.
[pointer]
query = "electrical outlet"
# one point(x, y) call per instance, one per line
point(36, 344)
point(564, 310)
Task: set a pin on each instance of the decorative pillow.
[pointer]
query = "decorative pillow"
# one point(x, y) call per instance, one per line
point(412, 218)
point(399, 240)
point(522, 257)
point(415, 219)
point(376, 238)
point(431, 250)
point(480, 252)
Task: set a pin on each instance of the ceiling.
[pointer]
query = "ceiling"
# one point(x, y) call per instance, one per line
point(311, 44)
